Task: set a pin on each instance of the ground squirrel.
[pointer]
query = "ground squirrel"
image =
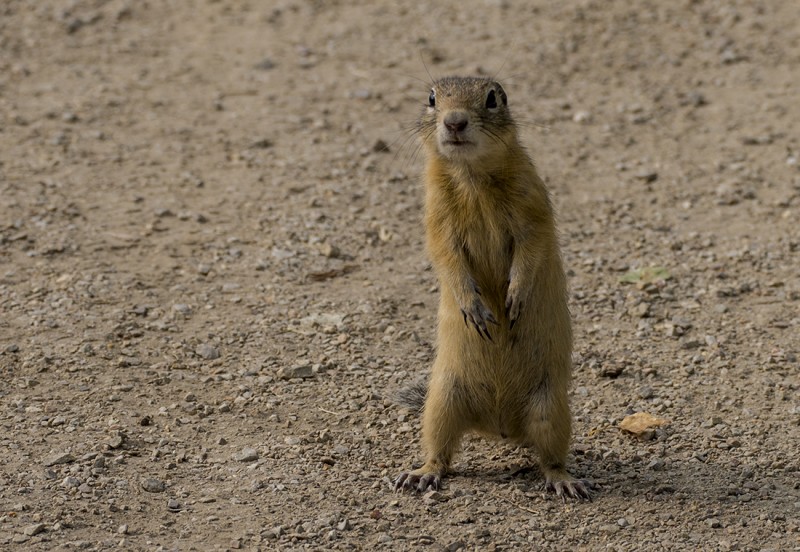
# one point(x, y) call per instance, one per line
point(504, 343)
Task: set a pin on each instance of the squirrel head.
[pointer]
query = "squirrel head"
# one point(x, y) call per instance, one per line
point(466, 120)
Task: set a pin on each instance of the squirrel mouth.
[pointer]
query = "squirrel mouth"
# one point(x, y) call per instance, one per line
point(458, 143)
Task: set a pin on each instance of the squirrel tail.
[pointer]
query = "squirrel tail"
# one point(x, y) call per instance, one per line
point(413, 396)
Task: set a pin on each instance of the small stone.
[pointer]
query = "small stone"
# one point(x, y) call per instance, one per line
point(182, 308)
point(711, 422)
point(12, 348)
point(71, 482)
point(647, 176)
point(344, 525)
point(204, 269)
point(611, 370)
point(582, 117)
point(646, 392)
point(173, 505)
point(697, 99)
point(433, 497)
point(34, 529)
point(689, 344)
point(361, 94)
point(208, 352)
point(59, 458)
point(152, 485)
point(265, 64)
point(640, 311)
point(713, 523)
point(622, 522)
point(301, 371)
point(122, 529)
point(330, 251)
point(247, 455)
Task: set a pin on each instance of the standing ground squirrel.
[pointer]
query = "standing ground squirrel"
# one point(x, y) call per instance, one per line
point(504, 344)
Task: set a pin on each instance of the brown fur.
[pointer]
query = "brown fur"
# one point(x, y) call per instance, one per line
point(503, 358)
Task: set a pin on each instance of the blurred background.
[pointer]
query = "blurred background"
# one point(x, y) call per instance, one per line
point(212, 273)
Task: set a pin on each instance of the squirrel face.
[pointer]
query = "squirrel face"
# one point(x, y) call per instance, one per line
point(466, 119)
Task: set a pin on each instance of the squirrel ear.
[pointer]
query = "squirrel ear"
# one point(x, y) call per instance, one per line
point(502, 94)
point(491, 100)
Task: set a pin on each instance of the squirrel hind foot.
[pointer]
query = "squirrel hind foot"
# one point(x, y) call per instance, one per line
point(566, 487)
point(418, 482)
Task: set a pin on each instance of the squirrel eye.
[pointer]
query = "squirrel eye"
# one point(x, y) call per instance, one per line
point(491, 100)
point(432, 99)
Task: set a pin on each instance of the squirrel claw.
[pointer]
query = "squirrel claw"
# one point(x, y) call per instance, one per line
point(479, 315)
point(576, 489)
point(409, 481)
point(513, 309)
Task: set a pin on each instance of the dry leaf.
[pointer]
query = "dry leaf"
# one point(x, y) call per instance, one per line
point(642, 424)
point(646, 275)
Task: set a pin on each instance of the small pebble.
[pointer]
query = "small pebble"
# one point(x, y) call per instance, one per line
point(247, 455)
point(582, 117)
point(292, 372)
point(71, 482)
point(265, 64)
point(152, 485)
point(208, 352)
point(646, 392)
point(59, 458)
point(330, 251)
point(34, 529)
point(182, 308)
point(647, 176)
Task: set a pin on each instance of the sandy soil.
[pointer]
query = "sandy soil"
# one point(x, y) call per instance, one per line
point(212, 278)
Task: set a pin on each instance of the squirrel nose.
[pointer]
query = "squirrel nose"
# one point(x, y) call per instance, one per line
point(455, 122)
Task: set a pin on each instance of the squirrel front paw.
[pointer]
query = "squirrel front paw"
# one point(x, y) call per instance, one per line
point(478, 314)
point(513, 305)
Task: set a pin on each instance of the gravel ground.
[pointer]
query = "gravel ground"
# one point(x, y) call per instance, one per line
point(212, 275)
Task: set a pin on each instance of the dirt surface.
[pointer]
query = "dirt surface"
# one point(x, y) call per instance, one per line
point(212, 278)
